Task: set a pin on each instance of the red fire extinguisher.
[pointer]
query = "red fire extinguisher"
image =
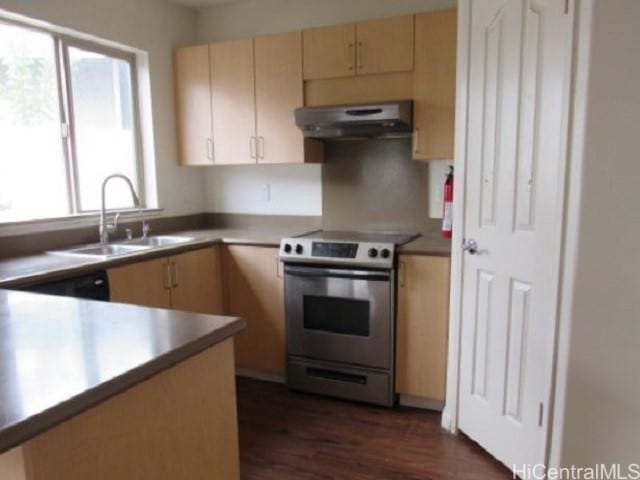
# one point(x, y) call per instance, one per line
point(447, 205)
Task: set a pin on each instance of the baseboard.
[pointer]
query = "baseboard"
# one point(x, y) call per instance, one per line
point(256, 375)
point(419, 402)
point(404, 400)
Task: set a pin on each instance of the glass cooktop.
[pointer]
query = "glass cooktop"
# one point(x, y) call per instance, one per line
point(397, 238)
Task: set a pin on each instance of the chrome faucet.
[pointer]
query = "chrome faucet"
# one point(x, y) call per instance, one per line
point(145, 226)
point(107, 228)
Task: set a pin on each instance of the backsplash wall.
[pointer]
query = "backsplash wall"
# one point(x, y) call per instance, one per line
point(346, 188)
point(374, 185)
point(264, 189)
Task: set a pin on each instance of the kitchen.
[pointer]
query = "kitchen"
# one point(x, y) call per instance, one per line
point(238, 240)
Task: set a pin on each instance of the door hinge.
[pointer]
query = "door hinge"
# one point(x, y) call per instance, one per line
point(64, 130)
point(566, 6)
point(540, 413)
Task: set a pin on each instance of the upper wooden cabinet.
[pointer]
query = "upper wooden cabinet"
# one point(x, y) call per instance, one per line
point(193, 105)
point(384, 46)
point(376, 46)
point(329, 52)
point(434, 82)
point(256, 84)
point(233, 102)
point(422, 326)
point(278, 92)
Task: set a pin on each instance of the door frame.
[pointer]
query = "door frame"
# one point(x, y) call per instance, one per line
point(573, 126)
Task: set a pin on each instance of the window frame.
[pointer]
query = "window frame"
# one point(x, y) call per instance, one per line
point(61, 44)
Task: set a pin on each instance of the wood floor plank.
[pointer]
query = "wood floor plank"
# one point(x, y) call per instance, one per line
point(294, 436)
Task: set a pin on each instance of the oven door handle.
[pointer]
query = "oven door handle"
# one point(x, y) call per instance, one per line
point(337, 273)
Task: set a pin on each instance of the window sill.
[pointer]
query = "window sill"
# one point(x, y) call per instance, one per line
point(73, 221)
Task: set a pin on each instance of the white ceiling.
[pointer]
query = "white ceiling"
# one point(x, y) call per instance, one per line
point(202, 3)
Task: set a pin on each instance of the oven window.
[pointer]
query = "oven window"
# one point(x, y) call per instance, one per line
point(336, 315)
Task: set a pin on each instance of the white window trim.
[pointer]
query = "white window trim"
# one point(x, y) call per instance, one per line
point(89, 219)
point(64, 38)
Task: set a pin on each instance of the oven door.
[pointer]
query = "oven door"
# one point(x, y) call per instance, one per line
point(339, 315)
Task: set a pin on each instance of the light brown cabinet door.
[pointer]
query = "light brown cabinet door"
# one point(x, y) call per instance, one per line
point(193, 105)
point(384, 46)
point(254, 290)
point(329, 52)
point(141, 283)
point(196, 284)
point(434, 85)
point(233, 105)
point(279, 91)
point(422, 326)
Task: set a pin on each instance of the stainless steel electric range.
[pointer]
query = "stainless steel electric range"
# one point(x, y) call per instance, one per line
point(340, 313)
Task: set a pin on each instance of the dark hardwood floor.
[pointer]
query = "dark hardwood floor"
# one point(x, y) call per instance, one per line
point(294, 436)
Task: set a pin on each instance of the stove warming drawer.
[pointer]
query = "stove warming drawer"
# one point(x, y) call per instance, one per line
point(342, 381)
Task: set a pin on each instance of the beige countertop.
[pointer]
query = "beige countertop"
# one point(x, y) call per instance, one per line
point(60, 355)
point(429, 243)
point(23, 271)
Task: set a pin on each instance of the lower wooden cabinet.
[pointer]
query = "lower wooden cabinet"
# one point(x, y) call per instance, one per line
point(422, 326)
point(179, 424)
point(254, 290)
point(188, 281)
point(240, 280)
point(141, 283)
point(247, 281)
point(196, 281)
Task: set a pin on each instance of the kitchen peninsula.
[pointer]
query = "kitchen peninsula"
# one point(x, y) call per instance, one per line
point(93, 389)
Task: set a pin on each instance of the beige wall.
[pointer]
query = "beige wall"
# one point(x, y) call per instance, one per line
point(248, 18)
point(155, 27)
point(599, 417)
point(254, 17)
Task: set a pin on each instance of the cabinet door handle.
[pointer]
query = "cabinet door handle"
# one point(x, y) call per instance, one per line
point(260, 147)
point(402, 274)
point(416, 140)
point(209, 148)
point(252, 147)
point(359, 55)
point(350, 55)
point(278, 271)
point(174, 275)
point(167, 277)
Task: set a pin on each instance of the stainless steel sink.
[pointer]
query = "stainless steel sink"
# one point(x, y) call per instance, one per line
point(102, 251)
point(124, 247)
point(157, 241)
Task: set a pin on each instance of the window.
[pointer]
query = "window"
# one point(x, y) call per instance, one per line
point(68, 118)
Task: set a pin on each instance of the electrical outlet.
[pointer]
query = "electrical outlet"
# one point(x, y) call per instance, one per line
point(266, 193)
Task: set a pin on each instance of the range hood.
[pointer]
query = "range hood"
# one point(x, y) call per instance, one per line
point(371, 120)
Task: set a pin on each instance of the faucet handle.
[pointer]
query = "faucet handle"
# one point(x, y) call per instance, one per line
point(146, 228)
point(129, 233)
point(112, 227)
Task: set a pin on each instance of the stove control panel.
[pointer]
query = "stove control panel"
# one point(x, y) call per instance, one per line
point(336, 252)
point(334, 249)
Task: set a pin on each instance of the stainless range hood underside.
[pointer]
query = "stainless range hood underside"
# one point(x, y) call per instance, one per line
point(341, 122)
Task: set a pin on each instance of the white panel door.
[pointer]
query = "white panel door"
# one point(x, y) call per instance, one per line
point(519, 54)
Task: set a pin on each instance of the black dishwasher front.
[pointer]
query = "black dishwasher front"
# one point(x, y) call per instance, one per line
point(94, 286)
